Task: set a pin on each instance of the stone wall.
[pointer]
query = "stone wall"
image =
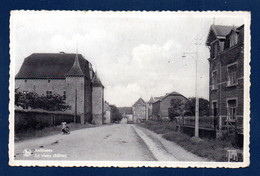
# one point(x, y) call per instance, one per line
point(40, 86)
point(38, 119)
point(75, 95)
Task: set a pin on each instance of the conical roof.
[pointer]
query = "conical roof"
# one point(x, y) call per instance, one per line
point(75, 69)
point(97, 82)
point(151, 100)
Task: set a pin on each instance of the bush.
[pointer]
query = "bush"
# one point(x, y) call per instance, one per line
point(34, 101)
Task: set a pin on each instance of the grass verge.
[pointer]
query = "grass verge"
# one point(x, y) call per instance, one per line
point(47, 131)
point(212, 149)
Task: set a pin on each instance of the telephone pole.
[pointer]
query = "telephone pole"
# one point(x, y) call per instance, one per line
point(75, 113)
point(197, 42)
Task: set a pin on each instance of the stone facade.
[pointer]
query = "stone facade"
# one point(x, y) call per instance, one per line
point(98, 105)
point(140, 111)
point(226, 74)
point(69, 75)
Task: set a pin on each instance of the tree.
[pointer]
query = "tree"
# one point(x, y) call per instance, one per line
point(203, 107)
point(116, 116)
point(34, 101)
point(176, 109)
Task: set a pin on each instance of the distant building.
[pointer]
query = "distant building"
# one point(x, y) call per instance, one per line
point(140, 111)
point(107, 111)
point(127, 112)
point(69, 75)
point(162, 104)
point(150, 107)
point(226, 44)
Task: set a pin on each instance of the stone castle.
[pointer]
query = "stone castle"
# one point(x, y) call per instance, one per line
point(69, 75)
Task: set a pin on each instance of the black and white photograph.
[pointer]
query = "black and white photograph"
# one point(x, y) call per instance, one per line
point(129, 89)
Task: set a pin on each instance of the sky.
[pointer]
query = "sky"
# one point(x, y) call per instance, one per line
point(136, 54)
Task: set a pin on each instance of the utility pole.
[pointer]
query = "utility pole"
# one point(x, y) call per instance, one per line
point(196, 92)
point(75, 113)
point(197, 42)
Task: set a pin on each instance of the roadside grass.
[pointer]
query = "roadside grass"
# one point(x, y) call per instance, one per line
point(212, 149)
point(47, 131)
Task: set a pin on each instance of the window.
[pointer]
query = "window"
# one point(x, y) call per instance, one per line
point(49, 81)
point(25, 80)
point(49, 94)
point(232, 74)
point(231, 108)
point(214, 80)
point(64, 95)
point(233, 39)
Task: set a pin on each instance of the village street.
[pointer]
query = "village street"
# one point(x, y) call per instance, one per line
point(117, 142)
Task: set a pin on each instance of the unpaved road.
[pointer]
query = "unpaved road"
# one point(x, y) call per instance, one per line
point(118, 142)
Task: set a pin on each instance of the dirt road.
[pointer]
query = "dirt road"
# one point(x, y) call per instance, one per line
point(118, 142)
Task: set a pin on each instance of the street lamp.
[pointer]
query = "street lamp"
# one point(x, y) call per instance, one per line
point(196, 86)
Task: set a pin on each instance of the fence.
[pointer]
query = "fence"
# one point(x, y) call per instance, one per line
point(204, 122)
point(207, 122)
point(38, 119)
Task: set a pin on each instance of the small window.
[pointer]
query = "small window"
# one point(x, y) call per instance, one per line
point(49, 94)
point(49, 81)
point(231, 105)
point(64, 95)
point(232, 75)
point(25, 80)
point(214, 80)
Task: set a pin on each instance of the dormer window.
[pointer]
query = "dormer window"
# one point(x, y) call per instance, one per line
point(233, 39)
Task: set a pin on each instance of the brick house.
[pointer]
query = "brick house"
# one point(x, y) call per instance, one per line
point(226, 45)
point(161, 105)
point(140, 111)
point(70, 75)
point(150, 107)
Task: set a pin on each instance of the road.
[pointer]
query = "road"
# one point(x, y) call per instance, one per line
point(117, 142)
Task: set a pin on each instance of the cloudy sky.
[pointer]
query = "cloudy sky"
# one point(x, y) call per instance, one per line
point(135, 54)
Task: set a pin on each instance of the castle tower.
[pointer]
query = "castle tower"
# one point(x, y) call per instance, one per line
point(97, 100)
point(75, 86)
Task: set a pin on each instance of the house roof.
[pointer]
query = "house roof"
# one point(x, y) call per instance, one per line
point(140, 101)
point(219, 31)
point(52, 65)
point(166, 95)
point(126, 110)
point(97, 82)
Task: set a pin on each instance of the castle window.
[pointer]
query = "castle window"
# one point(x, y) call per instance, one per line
point(64, 95)
point(232, 74)
point(25, 80)
point(49, 94)
point(49, 81)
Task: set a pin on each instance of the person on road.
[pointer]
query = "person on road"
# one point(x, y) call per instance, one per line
point(64, 128)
